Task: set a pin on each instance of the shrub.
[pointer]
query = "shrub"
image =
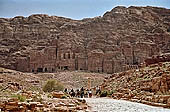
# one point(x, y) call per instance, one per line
point(52, 85)
point(1, 88)
point(103, 94)
point(49, 95)
point(64, 97)
point(37, 98)
point(20, 97)
point(111, 92)
point(67, 95)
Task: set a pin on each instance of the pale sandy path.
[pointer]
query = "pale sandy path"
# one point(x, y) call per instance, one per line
point(112, 105)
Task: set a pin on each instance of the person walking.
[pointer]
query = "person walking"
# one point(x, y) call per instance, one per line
point(90, 93)
point(98, 91)
point(86, 93)
point(82, 92)
point(65, 90)
point(72, 93)
point(78, 93)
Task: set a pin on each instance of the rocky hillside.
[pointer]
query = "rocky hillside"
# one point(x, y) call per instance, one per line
point(35, 82)
point(149, 85)
point(23, 92)
point(131, 34)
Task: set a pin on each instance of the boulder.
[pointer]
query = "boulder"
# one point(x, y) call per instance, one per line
point(156, 82)
point(168, 102)
point(61, 109)
point(57, 94)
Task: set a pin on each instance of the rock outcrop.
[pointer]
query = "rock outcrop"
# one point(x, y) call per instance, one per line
point(123, 37)
point(35, 101)
point(149, 85)
point(159, 58)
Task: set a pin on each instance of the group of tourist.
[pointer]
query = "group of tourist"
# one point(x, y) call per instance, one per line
point(79, 93)
point(82, 93)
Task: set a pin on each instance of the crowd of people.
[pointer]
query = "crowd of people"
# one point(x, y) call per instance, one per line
point(81, 93)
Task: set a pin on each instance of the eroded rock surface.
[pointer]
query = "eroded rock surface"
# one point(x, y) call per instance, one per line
point(121, 37)
point(149, 85)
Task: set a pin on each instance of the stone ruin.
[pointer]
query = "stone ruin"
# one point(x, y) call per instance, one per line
point(54, 57)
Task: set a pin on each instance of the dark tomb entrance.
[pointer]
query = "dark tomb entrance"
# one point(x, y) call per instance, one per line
point(65, 67)
point(45, 70)
point(39, 69)
point(52, 69)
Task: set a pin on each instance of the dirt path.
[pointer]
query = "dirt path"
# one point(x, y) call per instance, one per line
point(112, 105)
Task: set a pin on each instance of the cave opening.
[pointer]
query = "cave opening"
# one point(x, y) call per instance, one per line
point(39, 69)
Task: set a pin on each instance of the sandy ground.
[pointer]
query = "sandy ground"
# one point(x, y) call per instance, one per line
point(112, 105)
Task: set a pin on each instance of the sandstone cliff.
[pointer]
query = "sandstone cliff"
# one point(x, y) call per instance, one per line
point(128, 34)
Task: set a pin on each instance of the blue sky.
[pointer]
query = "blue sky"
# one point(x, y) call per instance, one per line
point(75, 9)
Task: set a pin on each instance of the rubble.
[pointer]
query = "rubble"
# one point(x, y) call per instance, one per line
point(45, 104)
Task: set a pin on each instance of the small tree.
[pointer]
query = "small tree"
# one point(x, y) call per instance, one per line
point(53, 85)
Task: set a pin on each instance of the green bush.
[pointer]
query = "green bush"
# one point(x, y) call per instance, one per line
point(67, 95)
point(109, 93)
point(103, 94)
point(1, 88)
point(64, 97)
point(52, 85)
point(37, 98)
point(20, 97)
point(49, 95)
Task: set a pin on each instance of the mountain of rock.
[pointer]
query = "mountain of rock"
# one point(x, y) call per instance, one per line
point(124, 37)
